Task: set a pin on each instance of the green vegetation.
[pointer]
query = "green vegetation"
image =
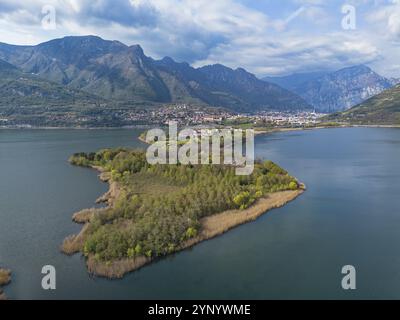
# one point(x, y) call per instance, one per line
point(159, 207)
point(329, 124)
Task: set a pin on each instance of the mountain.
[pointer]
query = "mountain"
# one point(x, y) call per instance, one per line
point(114, 71)
point(23, 89)
point(28, 99)
point(293, 81)
point(394, 81)
point(336, 91)
point(236, 89)
point(105, 68)
point(383, 108)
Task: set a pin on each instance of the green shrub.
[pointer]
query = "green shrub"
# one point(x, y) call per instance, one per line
point(293, 185)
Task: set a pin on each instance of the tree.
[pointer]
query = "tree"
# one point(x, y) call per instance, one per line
point(191, 233)
point(293, 185)
point(243, 200)
point(131, 253)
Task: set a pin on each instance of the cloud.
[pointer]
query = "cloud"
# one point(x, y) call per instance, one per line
point(299, 35)
point(294, 54)
point(132, 13)
point(394, 24)
point(386, 18)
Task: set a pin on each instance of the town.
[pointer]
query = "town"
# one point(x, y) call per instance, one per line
point(183, 114)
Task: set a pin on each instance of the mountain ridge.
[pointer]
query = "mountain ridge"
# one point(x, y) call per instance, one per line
point(339, 90)
point(382, 109)
point(115, 71)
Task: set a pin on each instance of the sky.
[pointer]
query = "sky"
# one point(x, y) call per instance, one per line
point(266, 37)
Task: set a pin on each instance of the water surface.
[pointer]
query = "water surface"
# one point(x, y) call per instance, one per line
point(349, 215)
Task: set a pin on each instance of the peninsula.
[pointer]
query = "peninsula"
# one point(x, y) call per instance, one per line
point(156, 210)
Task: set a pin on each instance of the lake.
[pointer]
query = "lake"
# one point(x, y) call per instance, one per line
point(349, 216)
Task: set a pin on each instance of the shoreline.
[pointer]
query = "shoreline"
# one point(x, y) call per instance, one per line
point(278, 130)
point(260, 132)
point(5, 279)
point(212, 226)
point(139, 126)
point(146, 126)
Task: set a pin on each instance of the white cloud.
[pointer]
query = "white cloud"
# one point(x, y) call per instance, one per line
point(295, 54)
point(394, 24)
point(386, 19)
point(223, 31)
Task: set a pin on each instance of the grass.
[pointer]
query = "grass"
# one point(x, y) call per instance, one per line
point(151, 184)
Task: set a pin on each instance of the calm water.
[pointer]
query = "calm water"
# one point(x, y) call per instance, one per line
point(349, 215)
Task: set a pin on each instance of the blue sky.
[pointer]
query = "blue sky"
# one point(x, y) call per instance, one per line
point(266, 37)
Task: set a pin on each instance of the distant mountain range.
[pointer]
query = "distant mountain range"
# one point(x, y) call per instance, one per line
point(92, 69)
point(383, 108)
point(336, 91)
